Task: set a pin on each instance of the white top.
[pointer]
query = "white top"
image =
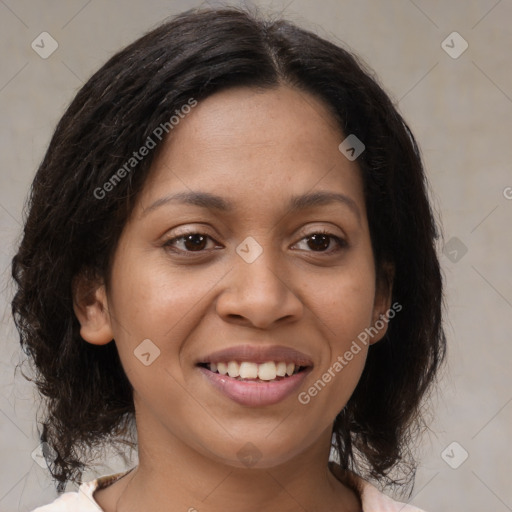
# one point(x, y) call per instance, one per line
point(82, 500)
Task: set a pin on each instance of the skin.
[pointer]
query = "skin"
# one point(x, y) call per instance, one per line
point(257, 149)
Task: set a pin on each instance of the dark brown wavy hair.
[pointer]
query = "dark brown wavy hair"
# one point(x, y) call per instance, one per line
point(68, 230)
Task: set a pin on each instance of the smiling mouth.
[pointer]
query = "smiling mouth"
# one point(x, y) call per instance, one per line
point(246, 371)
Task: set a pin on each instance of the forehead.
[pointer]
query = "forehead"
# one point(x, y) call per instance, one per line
point(261, 142)
point(244, 118)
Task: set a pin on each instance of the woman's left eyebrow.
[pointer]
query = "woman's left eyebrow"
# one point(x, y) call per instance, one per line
point(214, 202)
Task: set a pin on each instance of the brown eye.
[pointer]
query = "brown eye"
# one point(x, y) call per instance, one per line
point(188, 243)
point(321, 241)
point(194, 242)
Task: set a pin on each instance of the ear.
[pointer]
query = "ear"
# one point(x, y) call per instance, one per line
point(91, 308)
point(382, 303)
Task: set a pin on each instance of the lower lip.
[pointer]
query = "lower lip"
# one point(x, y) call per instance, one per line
point(255, 394)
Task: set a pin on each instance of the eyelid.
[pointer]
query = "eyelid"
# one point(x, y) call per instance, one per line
point(305, 231)
point(312, 230)
point(190, 231)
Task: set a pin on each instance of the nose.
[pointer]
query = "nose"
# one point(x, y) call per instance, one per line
point(259, 294)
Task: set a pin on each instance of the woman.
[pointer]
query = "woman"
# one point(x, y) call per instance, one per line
point(230, 251)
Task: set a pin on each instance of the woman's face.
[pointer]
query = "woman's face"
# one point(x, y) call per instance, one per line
point(258, 283)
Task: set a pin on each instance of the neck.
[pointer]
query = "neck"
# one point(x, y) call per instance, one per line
point(178, 477)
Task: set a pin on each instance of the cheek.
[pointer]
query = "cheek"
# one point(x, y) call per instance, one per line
point(344, 302)
point(153, 302)
point(151, 299)
point(346, 309)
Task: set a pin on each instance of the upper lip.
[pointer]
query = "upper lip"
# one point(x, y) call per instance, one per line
point(258, 354)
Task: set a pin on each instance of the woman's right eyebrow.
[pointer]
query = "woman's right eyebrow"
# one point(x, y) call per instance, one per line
point(214, 202)
point(201, 199)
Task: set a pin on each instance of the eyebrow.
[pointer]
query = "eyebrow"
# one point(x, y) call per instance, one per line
point(214, 202)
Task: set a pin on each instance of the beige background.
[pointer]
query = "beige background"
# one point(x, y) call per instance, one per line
point(459, 109)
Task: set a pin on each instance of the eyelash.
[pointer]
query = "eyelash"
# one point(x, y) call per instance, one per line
point(341, 243)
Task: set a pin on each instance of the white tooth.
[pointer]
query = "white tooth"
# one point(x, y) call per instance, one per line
point(248, 370)
point(290, 368)
point(281, 369)
point(222, 368)
point(233, 369)
point(213, 367)
point(267, 371)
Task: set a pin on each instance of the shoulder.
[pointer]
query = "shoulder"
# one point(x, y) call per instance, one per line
point(376, 501)
point(81, 500)
point(372, 500)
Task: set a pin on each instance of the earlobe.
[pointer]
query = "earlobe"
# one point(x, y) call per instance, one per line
point(382, 304)
point(91, 308)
